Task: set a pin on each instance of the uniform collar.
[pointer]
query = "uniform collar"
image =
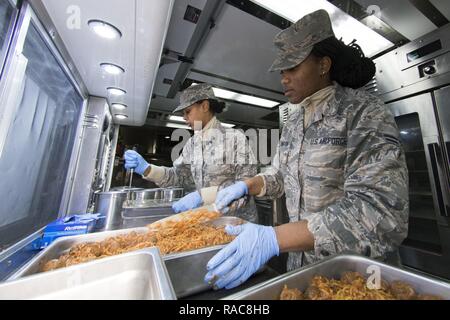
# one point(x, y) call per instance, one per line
point(212, 124)
point(318, 102)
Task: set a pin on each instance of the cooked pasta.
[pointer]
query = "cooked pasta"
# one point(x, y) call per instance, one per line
point(352, 286)
point(185, 234)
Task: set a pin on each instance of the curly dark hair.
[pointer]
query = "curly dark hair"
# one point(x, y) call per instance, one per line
point(216, 106)
point(350, 67)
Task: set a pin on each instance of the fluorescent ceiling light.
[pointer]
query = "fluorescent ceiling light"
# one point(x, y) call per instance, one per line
point(176, 118)
point(228, 125)
point(344, 25)
point(119, 106)
point(116, 91)
point(104, 29)
point(121, 116)
point(167, 137)
point(177, 126)
point(230, 95)
point(112, 68)
point(244, 98)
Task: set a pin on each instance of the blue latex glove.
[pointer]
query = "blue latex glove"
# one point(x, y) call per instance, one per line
point(134, 160)
point(229, 194)
point(251, 249)
point(189, 201)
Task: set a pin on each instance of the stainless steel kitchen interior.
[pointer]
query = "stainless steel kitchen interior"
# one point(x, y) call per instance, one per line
point(108, 192)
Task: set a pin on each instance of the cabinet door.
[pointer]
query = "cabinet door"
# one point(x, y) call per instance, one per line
point(40, 112)
point(417, 125)
point(443, 110)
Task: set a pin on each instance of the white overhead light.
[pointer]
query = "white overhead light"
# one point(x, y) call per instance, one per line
point(104, 29)
point(121, 116)
point(244, 98)
point(228, 125)
point(119, 106)
point(230, 95)
point(344, 25)
point(176, 118)
point(116, 91)
point(167, 137)
point(177, 126)
point(404, 132)
point(112, 68)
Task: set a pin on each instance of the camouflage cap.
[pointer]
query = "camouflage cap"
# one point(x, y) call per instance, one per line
point(193, 94)
point(295, 43)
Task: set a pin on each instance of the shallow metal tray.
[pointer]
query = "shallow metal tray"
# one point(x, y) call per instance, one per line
point(133, 217)
point(61, 245)
point(333, 268)
point(186, 269)
point(136, 275)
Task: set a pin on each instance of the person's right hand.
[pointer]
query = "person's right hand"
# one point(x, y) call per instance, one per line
point(229, 194)
point(134, 160)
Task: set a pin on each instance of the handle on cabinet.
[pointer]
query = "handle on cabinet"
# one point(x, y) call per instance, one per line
point(436, 158)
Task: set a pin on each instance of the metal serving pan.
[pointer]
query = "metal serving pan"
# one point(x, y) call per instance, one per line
point(61, 245)
point(186, 269)
point(333, 268)
point(136, 275)
point(138, 217)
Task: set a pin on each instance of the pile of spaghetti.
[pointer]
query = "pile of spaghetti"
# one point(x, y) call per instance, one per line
point(187, 233)
point(353, 286)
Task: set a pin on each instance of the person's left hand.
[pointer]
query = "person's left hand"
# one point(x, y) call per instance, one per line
point(234, 264)
point(229, 194)
point(189, 201)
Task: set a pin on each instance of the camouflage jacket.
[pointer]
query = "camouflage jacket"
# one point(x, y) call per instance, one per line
point(346, 175)
point(214, 157)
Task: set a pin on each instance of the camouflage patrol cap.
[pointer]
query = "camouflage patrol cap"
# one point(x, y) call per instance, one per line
point(193, 94)
point(295, 43)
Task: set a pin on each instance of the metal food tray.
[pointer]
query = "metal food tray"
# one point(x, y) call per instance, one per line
point(133, 217)
point(136, 275)
point(186, 269)
point(148, 203)
point(62, 245)
point(333, 268)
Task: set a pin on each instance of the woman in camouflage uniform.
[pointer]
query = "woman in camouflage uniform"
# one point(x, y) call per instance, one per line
point(212, 159)
point(339, 162)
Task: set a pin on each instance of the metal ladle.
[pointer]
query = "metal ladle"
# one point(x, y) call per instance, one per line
point(129, 187)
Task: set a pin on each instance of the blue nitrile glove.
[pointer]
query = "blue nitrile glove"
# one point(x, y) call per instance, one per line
point(189, 201)
point(251, 249)
point(229, 194)
point(134, 160)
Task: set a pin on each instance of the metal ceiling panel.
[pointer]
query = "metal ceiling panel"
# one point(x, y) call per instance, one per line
point(181, 30)
point(240, 47)
point(401, 15)
point(143, 25)
point(443, 6)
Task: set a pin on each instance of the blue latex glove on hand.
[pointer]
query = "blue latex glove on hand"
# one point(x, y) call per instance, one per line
point(189, 201)
point(229, 194)
point(134, 160)
point(252, 248)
